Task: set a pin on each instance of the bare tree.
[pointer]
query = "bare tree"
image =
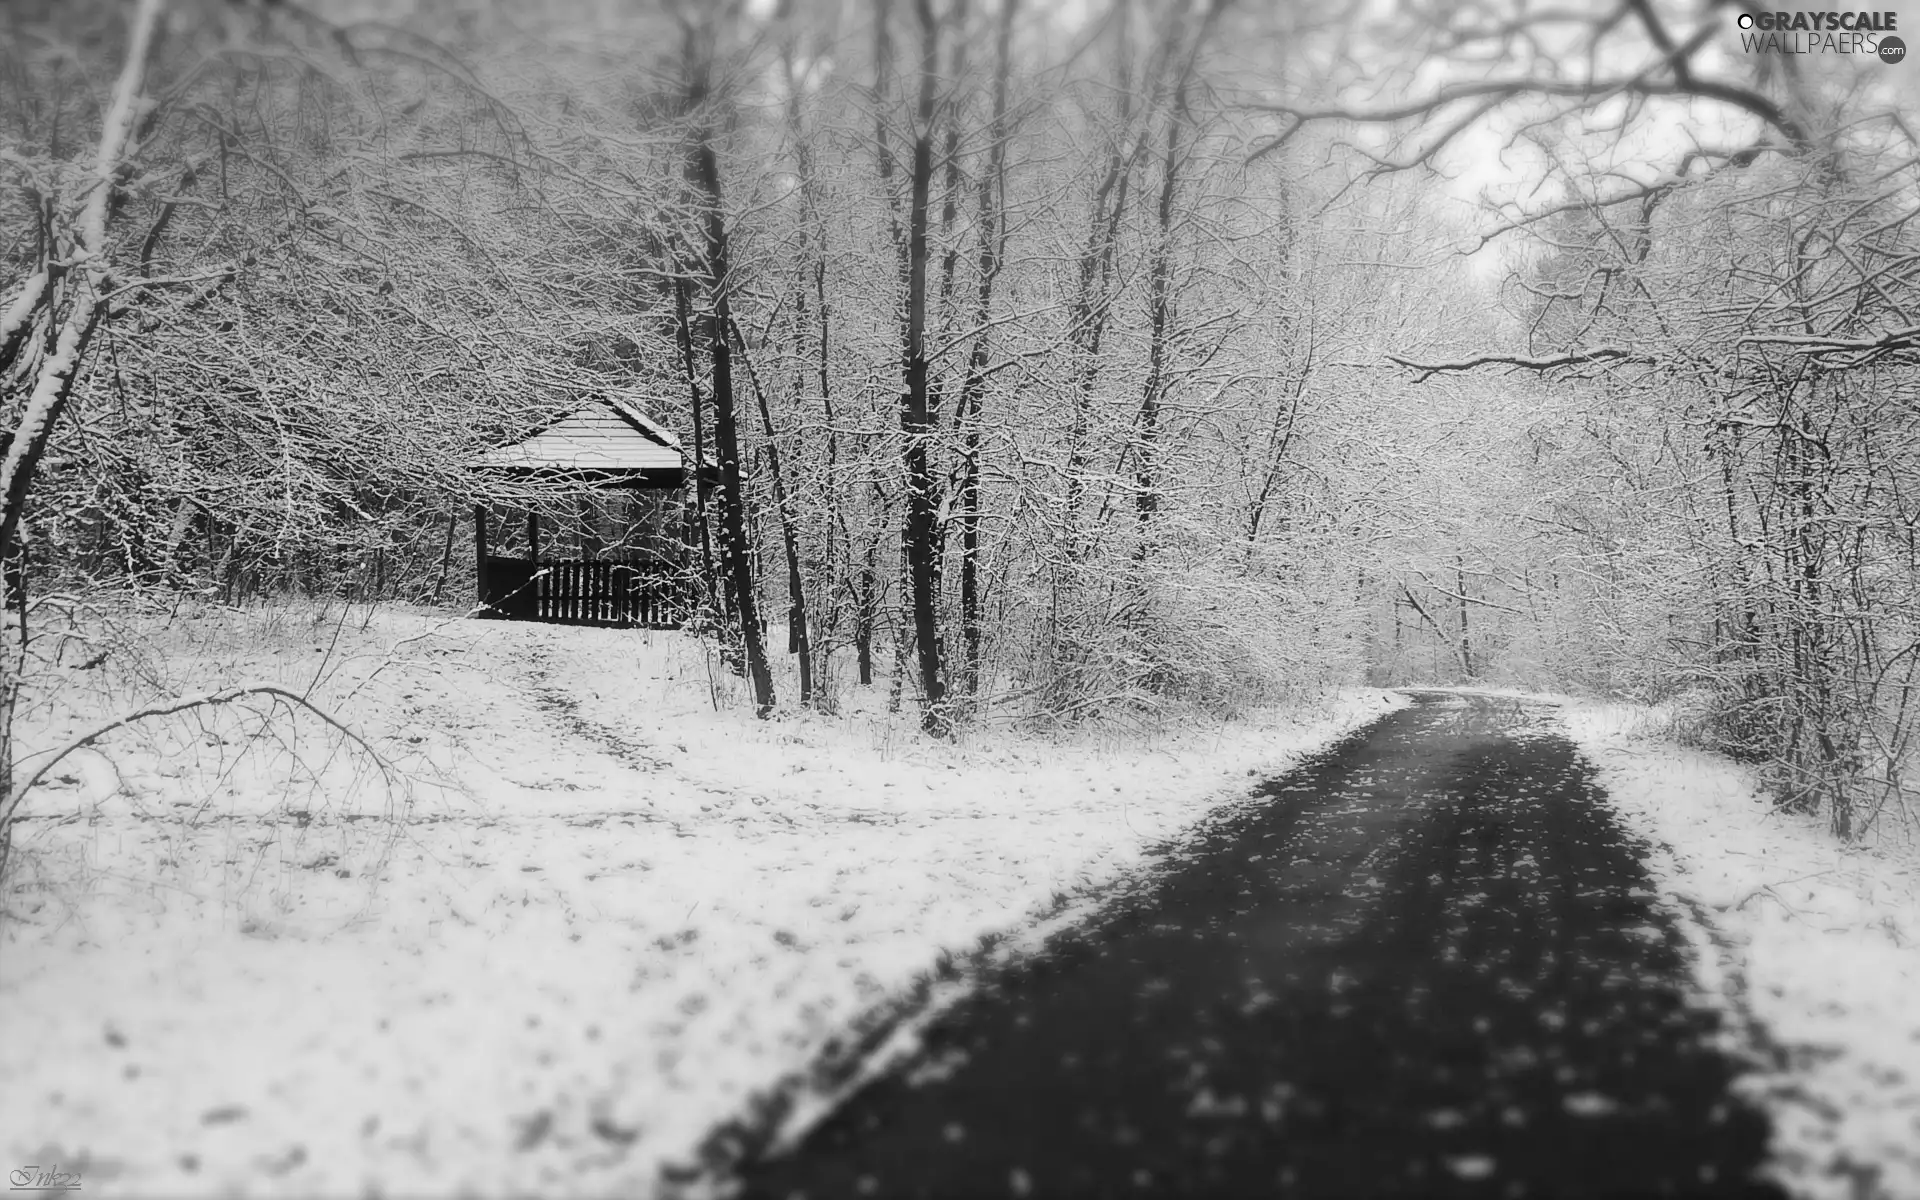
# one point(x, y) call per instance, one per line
point(64, 306)
point(919, 415)
point(704, 168)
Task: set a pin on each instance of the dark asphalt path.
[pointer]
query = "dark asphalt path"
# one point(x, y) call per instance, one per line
point(1426, 966)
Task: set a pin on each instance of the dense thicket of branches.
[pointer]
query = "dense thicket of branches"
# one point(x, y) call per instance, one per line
point(1048, 361)
point(982, 309)
point(1718, 311)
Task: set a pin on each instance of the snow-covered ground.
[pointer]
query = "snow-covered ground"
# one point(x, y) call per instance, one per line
point(1819, 942)
point(570, 916)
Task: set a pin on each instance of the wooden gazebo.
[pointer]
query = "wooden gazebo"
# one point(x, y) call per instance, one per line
point(606, 446)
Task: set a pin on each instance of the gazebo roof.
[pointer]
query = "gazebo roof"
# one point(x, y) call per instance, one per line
point(608, 442)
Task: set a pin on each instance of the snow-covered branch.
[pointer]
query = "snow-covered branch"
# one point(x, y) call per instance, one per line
point(1520, 362)
point(167, 708)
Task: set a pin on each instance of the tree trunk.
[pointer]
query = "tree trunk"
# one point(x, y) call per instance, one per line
point(1147, 477)
point(1087, 316)
point(810, 305)
point(1159, 314)
point(683, 325)
point(918, 415)
point(865, 608)
point(85, 294)
point(733, 498)
point(992, 227)
point(798, 638)
point(1466, 645)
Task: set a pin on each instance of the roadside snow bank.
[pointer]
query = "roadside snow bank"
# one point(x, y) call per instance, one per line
point(1823, 939)
point(589, 918)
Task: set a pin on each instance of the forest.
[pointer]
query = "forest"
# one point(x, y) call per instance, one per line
point(1062, 358)
point(1065, 360)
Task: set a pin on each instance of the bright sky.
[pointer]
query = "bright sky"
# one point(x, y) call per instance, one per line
point(1492, 163)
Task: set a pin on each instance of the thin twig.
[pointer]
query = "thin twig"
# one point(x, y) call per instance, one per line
point(183, 704)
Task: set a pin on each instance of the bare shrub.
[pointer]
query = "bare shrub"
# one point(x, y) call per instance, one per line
point(221, 796)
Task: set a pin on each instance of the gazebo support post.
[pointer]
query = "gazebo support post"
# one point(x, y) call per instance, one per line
point(480, 553)
point(533, 562)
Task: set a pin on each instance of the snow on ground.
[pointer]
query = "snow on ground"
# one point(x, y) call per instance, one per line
point(1821, 939)
point(569, 917)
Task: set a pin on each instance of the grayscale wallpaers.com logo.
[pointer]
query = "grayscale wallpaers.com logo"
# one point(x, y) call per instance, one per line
point(1822, 33)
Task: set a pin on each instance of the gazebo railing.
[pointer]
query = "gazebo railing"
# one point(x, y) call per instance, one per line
point(608, 592)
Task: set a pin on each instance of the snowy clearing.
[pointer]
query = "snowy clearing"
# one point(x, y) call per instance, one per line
point(1818, 942)
point(589, 918)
